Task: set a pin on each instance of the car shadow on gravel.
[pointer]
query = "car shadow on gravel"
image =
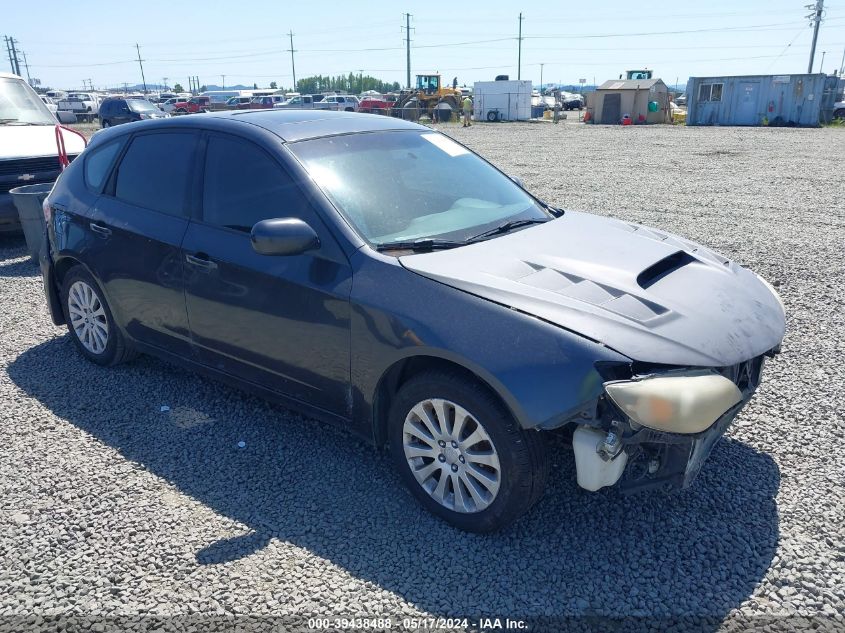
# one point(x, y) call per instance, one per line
point(697, 553)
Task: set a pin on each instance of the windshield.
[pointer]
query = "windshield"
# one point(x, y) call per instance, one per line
point(140, 105)
point(19, 105)
point(405, 186)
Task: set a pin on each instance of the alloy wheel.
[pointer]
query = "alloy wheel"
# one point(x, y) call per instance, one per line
point(451, 455)
point(88, 317)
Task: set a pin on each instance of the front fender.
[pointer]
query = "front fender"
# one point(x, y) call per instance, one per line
point(546, 375)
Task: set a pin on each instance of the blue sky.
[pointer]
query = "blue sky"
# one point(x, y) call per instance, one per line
point(247, 41)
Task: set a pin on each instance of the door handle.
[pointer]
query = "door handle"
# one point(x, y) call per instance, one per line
point(201, 262)
point(103, 231)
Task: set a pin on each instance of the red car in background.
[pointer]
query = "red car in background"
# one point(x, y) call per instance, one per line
point(193, 105)
point(374, 105)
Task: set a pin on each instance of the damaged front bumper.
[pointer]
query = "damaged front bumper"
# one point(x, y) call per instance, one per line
point(619, 451)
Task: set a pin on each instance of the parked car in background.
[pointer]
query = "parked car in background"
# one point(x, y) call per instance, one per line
point(83, 104)
point(117, 111)
point(839, 110)
point(234, 102)
point(51, 105)
point(374, 105)
point(309, 102)
point(681, 99)
point(379, 275)
point(571, 101)
point(345, 103)
point(262, 103)
point(28, 152)
point(169, 105)
point(194, 105)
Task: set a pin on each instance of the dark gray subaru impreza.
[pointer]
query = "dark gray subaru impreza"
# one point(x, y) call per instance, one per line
point(376, 274)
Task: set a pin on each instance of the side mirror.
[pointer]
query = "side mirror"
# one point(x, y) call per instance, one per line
point(65, 117)
point(518, 181)
point(283, 236)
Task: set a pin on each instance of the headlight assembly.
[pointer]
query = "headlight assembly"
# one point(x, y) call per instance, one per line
point(686, 402)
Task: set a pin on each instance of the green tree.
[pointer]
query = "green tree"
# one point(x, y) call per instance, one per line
point(274, 85)
point(203, 88)
point(178, 88)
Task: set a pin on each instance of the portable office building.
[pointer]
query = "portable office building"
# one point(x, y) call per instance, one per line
point(793, 100)
point(644, 100)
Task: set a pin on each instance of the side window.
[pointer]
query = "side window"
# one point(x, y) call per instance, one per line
point(704, 92)
point(155, 172)
point(98, 164)
point(243, 185)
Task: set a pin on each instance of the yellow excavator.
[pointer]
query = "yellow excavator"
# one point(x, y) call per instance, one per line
point(429, 92)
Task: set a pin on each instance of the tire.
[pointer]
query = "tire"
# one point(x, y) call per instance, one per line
point(492, 116)
point(104, 344)
point(181, 111)
point(520, 455)
point(839, 114)
point(105, 123)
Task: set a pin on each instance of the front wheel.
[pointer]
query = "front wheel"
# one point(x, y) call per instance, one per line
point(462, 454)
point(89, 320)
point(105, 123)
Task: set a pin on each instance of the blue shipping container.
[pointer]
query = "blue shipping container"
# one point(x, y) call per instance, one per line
point(792, 100)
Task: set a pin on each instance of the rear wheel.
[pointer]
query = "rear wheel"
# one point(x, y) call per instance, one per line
point(90, 322)
point(462, 455)
point(106, 123)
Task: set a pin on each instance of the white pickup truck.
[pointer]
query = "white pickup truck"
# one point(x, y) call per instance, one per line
point(83, 104)
point(308, 102)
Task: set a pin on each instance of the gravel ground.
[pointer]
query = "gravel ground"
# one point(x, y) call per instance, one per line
point(113, 508)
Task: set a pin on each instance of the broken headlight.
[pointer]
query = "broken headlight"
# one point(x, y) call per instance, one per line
point(682, 402)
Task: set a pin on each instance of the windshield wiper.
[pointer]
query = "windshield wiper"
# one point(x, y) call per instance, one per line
point(4, 121)
point(504, 228)
point(425, 244)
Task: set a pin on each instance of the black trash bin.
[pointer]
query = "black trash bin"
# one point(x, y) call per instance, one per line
point(28, 200)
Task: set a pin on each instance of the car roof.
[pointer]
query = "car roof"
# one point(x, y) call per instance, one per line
point(289, 125)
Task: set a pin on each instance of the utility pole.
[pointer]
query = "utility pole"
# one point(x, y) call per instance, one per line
point(141, 64)
point(541, 76)
point(9, 51)
point(292, 65)
point(821, 66)
point(224, 82)
point(164, 79)
point(26, 65)
point(842, 65)
point(16, 65)
point(408, 51)
point(816, 19)
point(519, 57)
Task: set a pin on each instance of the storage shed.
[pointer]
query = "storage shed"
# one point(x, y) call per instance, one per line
point(507, 100)
point(616, 98)
point(793, 100)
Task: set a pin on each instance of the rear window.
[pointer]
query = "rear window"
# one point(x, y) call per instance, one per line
point(98, 164)
point(155, 171)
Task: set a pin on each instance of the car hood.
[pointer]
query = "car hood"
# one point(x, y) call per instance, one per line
point(649, 295)
point(32, 141)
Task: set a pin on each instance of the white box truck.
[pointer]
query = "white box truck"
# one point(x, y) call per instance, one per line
point(506, 100)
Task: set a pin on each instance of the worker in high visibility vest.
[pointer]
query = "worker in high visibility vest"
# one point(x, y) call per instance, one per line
point(466, 106)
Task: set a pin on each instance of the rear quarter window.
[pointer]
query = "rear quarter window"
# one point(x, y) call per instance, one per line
point(98, 164)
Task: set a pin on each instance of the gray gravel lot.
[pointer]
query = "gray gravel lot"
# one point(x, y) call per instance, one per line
point(111, 507)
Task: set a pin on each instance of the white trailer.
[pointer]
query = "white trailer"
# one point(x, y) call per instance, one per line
point(508, 100)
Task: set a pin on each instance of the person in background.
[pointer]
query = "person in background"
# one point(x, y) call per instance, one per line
point(466, 106)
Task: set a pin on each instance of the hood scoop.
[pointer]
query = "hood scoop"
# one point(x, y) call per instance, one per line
point(595, 293)
point(664, 267)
